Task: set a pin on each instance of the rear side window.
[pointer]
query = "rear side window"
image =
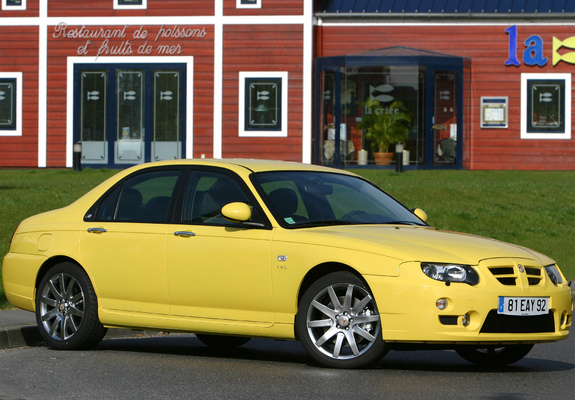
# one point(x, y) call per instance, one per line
point(145, 197)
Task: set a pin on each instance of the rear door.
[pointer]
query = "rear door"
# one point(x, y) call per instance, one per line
point(124, 244)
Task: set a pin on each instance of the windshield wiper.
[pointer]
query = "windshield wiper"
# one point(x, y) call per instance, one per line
point(329, 222)
point(404, 223)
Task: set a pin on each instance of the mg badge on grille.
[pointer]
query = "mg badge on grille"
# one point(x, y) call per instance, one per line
point(521, 268)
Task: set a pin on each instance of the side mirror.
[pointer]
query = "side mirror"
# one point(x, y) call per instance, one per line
point(237, 212)
point(422, 215)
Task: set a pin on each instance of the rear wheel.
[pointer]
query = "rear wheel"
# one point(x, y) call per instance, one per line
point(494, 356)
point(67, 309)
point(338, 322)
point(222, 342)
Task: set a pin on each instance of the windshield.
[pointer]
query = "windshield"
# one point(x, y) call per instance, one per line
point(302, 199)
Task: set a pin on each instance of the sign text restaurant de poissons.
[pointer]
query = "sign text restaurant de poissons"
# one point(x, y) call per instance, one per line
point(128, 40)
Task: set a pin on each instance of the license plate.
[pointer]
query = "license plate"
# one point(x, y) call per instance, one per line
point(523, 305)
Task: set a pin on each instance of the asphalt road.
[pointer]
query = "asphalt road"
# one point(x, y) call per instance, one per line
point(180, 367)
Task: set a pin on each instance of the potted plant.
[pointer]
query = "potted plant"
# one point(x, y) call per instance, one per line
point(383, 126)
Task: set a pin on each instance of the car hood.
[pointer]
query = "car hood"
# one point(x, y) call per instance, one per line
point(408, 243)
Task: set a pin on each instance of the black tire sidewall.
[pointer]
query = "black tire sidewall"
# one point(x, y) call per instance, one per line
point(90, 331)
point(377, 350)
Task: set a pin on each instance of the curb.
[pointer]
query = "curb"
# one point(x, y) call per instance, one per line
point(29, 335)
point(18, 336)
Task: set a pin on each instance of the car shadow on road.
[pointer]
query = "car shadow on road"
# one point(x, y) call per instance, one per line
point(294, 353)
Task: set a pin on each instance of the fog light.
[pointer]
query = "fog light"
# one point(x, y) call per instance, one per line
point(466, 320)
point(441, 304)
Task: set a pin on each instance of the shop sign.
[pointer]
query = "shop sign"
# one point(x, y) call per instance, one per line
point(128, 41)
point(533, 53)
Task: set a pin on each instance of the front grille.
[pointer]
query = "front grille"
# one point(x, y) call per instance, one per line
point(499, 323)
point(508, 275)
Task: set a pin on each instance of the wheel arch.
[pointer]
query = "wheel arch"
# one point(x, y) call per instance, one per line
point(49, 263)
point(316, 273)
point(321, 270)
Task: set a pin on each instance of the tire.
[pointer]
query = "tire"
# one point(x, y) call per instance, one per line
point(67, 309)
point(338, 322)
point(222, 342)
point(494, 356)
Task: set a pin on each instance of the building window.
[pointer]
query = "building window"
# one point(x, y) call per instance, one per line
point(545, 106)
point(10, 104)
point(130, 4)
point(263, 104)
point(13, 4)
point(248, 3)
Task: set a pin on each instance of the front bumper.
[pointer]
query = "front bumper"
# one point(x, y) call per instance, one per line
point(407, 305)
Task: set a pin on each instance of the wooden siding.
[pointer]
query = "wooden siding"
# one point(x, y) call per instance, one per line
point(105, 8)
point(19, 53)
point(263, 48)
point(487, 49)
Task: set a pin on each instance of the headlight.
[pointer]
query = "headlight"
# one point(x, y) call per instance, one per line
point(554, 274)
point(450, 273)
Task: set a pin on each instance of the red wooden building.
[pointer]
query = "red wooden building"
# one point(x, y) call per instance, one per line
point(479, 85)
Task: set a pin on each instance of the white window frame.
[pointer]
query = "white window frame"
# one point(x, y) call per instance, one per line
point(7, 7)
point(524, 106)
point(257, 4)
point(18, 130)
point(283, 132)
point(118, 6)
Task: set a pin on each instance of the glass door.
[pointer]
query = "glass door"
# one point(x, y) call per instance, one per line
point(166, 116)
point(445, 118)
point(130, 127)
point(130, 114)
point(93, 131)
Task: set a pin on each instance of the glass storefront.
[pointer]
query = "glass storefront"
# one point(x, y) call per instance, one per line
point(368, 103)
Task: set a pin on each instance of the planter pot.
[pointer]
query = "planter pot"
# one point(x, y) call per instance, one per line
point(383, 158)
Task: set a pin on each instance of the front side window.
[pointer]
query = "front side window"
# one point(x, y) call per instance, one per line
point(546, 106)
point(145, 197)
point(207, 193)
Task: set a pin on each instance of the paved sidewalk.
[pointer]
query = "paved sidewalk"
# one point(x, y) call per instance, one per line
point(18, 328)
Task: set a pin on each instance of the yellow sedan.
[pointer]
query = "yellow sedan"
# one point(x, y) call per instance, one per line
point(235, 249)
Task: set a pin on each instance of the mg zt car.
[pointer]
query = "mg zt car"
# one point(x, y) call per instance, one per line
point(235, 249)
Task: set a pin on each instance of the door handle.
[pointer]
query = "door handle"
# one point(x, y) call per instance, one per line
point(97, 230)
point(184, 233)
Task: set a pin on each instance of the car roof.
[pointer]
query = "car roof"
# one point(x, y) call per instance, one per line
point(252, 165)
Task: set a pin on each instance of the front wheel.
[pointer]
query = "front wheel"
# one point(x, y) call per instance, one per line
point(67, 309)
point(494, 356)
point(338, 322)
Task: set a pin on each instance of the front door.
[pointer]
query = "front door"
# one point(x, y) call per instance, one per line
point(130, 114)
point(217, 270)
